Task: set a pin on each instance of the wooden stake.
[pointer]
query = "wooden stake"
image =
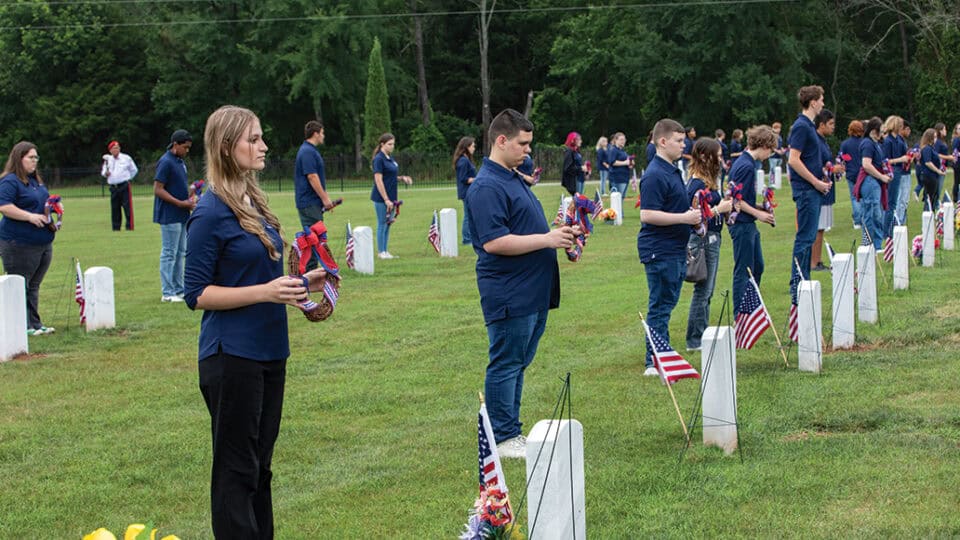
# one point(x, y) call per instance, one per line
point(686, 434)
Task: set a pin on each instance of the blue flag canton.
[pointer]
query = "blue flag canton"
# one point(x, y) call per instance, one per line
point(750, 301)
point(484, 448)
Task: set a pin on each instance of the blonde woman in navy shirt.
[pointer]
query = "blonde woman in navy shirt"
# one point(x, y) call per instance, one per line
point(235, 274)
point(384, 194)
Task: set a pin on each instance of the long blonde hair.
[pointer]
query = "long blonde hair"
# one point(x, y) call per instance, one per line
point(225, 127)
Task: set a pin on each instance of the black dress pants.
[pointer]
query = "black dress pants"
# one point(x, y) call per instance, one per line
point(245, 399)
point(120, 199)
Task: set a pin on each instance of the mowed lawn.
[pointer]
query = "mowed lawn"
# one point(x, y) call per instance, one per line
point(379, 431)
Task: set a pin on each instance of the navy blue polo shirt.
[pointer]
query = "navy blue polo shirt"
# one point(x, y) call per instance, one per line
point(465, 171)
point(735, 147)
point(527, 166)
point(30, 198)
point(956, 143)
point(618, 173)
point(661, 188)
point(941, 148)
point(172, 173)
point(871, 149)
point(651, 152)
point(687, 148)
point(829, 197)
point(387, 167)
point(500, 203)
point(804, 138)
point(724, 150)
point(928, 155)
point(744, 171)
point(220, 252)
point(309, 161)
point(894, 146)
point(714, 198)
point(601, 159)
point(851, 147)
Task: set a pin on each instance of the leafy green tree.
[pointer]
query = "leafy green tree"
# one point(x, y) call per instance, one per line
point(376, 116)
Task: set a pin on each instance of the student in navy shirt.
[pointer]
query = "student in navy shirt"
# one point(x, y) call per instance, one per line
point(235, 274)
point(619, 164)
point(517, 272)
point(747, 253)
point(724, 155)
point(384, 193)
point(172, 205)
point(895, 150)
point(705, 168)
point(602, 166)
point(872, 182)
point(666, 216)
point(776, 158)
point(826, 124)
point(572, 175)
point(943, 152)
point(928, 169)
point(736, 144)
point(310, 181)
point(651, 151)
point(808, 189)
point(850, 154)
point(466, 172)
point(955, 145)
point(26, 240)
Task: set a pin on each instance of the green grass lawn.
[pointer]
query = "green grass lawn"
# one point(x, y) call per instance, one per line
point(379, 432)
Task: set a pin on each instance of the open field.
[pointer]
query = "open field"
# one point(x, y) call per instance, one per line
point(379, 432)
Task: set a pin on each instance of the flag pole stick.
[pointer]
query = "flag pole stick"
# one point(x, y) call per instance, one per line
point(686, 434)
point(772, 326)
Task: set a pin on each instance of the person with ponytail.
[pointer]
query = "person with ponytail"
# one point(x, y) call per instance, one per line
point(234, 272)
point(466, 173)
point(384, 194)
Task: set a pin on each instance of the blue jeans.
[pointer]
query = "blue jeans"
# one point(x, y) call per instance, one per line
point(513, 344)
point(580, 184)
point(603, 181)
point(808, 220)
point(893, 191)
point(465, 226)
point(383, 231)
point(854, 203)
point(173, 248)
point(309, 216)
point(747, 253)
point(699, 317)
point(664, 281)
point(872, 214)
point(620, 187)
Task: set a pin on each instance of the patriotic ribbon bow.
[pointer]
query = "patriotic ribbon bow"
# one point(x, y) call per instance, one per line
point(198, 187)
point(536, 175)
point(54, 205)
point(394, 212)
point(589, 167)
point(911, 157)
point(706, 214)
point(578, 213)
point(735, 192)
point(769, 202)
point(314, 241)
point(886, 168)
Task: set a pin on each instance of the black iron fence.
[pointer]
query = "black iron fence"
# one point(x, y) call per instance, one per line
point(427, 171)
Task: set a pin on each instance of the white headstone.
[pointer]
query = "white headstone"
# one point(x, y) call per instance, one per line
point(719, 386)
point(616, 202)
point(363, 250)
point(98, 293)
point(949, 213)
point(928, 235)
point(449, 241)
point(759, 179)
point(844, 323)
point(13, 316)
point(777, 177)
point(901, 258)
point(809, 327)
point(560, 447)
point(866, 284)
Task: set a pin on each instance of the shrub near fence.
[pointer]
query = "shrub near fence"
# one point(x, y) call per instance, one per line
point(427, 170)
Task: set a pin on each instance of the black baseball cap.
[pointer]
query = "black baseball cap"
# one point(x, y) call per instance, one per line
point(179, 136)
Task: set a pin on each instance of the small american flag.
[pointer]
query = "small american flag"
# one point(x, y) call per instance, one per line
point(78, 295)
point(752, 317)
point(670, 364)
point(888, 249)
point(792, 324)
point(351, 246)
point(433, 235)
point(598, 205)
point(792, 321)
point(490, 469)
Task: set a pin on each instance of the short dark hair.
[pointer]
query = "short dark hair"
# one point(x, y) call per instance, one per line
point(666, 127)
point(311, 127)
point(822, 117)
point(508, 123)
point(808, 94)
point(873, 124)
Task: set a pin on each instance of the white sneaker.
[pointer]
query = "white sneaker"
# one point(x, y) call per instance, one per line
point(651, 372)
point(385, 255)
point(173, 298)
point(513, 448)
point(856, 227)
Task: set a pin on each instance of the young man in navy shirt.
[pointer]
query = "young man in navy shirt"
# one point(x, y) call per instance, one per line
point(666, 216)
point(517, 272)
point(172, 205)
point(808, 189)
point(310, 180)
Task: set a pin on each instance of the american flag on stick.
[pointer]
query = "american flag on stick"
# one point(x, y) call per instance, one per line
point(598, 205)
point(490, 469)
point(79, 296)
point(793, 328)
point(752, 318)
point(433, 235)
point(670, 364)
point(351, 246)
point(888, 249)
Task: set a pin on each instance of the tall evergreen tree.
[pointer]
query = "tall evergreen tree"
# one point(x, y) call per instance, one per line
point(376, 110)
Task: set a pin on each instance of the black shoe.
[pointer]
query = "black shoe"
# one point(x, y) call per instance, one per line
point(820, 268)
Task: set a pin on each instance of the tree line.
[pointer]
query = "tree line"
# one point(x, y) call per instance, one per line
point(74, 76)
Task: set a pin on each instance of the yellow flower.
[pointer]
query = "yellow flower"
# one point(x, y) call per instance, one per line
point(170, 537)
point(137, 528)
point(100, 534)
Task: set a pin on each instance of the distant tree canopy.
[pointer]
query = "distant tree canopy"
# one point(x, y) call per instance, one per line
point(75, 75)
